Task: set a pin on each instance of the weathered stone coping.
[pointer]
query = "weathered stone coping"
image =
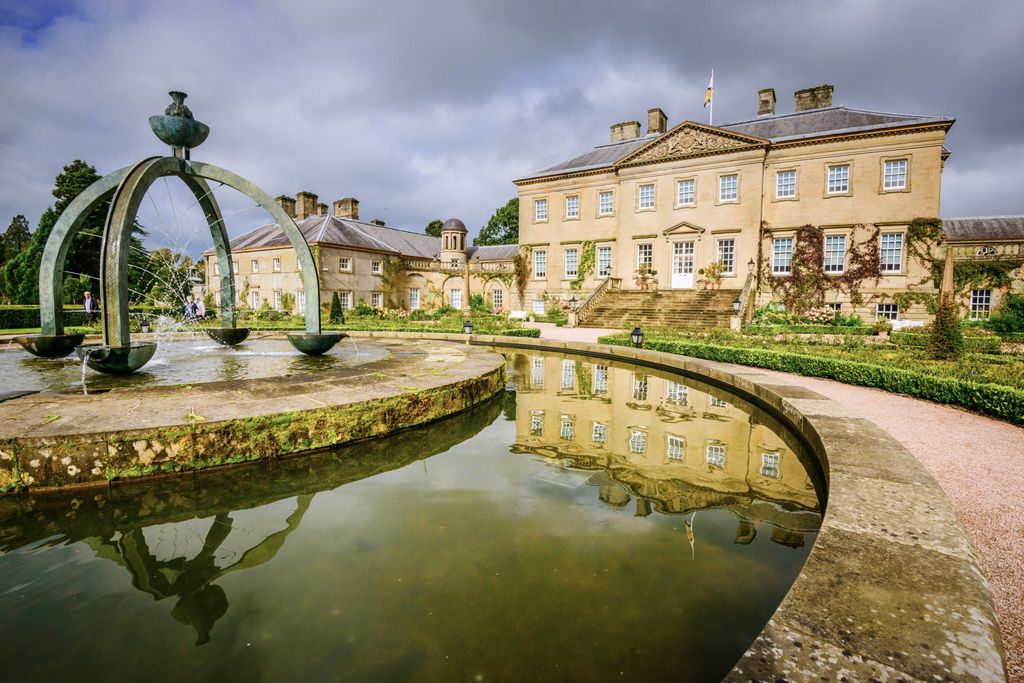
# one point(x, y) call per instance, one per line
point(891, 589)
point(68, 440)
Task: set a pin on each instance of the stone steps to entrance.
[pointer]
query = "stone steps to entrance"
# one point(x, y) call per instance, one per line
point(693, 308)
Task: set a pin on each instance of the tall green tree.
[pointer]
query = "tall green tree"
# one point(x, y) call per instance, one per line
point(503, 227)
point(434, 227)
point(17, 236)
point(20, 276)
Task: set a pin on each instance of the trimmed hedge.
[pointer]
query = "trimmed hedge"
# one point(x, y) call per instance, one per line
point(22, 317)
point(772, 330)
point(1003, 402)
point(972, 343)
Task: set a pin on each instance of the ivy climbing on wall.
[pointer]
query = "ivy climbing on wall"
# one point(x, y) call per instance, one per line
point(807, 283)
point(585, 266)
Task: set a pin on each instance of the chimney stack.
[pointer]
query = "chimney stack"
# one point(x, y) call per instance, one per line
point(766, 102)
point(307, 205)
point(657, 122)
point(287, 203)
point(818, 97)
point(347, 207)
point(627, 130)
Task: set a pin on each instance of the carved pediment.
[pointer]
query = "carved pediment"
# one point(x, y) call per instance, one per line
point(690, 139)
point(683, 228)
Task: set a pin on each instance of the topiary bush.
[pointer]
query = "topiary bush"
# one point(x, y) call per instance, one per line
point(1008, 319)
point(947, 341)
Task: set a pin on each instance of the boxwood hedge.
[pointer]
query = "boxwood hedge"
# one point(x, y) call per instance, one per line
point(772, 330)
point(1003, 402)
point(972, 343)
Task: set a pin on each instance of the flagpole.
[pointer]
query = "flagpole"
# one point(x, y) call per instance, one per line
point(711, 110)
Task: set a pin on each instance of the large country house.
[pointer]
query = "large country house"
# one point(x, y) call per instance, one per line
point(701, 213)
point(368, 263)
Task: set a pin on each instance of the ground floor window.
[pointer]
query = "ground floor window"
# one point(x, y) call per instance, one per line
point(600, 379)
point(537, 423)
point(837, 306)
point(887, 311)
point(637, 441)
point(639, 387)
point(644, 255)
point(414, 299)
point(455, 297)
point(604, 261)
point(216, 298)
point(676, 393)
point(566, 430)
point(254, 299)
point(537, 374)
point(346, 299)
point(497, 296)
point(599, 432)
point(300, 301)
point(715, 455)
point(981, 303)
point(676, 447)
point(277, 301)
point(538, 306)
point(770, 465)
point(568, 374)
point(377, 299)
point(727, 255)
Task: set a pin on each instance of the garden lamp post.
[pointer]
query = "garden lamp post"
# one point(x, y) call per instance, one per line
point(467, 327)
point(736, 305)
point(750, 265)
point(637, 337)
point(144, 326)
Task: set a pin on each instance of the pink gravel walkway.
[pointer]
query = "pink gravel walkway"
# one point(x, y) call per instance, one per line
point(978, 462)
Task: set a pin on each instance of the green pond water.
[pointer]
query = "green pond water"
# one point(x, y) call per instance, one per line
point(597, 523)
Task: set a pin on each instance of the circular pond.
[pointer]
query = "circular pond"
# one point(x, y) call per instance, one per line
point(595, 522)
point(183, 361)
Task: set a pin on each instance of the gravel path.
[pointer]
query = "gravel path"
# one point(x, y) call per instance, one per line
point(979, 463)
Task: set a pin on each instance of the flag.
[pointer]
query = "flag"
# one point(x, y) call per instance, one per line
point(710, 90)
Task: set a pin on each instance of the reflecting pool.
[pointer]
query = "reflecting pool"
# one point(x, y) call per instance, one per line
point(188, 361)
point(595, 522)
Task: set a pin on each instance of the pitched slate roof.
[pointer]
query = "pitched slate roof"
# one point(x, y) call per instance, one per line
point(780, 128)
point(346, 232)
point(827, 121)
point(493, 252)
point(984, 228)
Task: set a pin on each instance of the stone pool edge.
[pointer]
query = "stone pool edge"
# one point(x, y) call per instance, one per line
point(891, 589)
point(73, 461)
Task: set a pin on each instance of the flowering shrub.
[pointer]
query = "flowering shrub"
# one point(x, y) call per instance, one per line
point(821, 315)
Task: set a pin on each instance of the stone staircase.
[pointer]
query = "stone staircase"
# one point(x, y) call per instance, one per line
point(618, 308)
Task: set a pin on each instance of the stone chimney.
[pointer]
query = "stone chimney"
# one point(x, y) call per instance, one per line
point(287, 203)
point(321, 209)
point(347, 208)
point(818, 97)
point(657, 122)
point(307, 205)
point(766, 102)
point(627, 130)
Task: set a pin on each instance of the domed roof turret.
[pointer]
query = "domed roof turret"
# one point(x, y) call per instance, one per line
point(454, 225)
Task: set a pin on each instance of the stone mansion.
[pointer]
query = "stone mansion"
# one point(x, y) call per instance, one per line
point(637, 229)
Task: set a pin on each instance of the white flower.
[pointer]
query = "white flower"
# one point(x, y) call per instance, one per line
point(72, 470)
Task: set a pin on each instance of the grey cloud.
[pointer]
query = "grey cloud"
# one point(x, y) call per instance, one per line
point(431, 109)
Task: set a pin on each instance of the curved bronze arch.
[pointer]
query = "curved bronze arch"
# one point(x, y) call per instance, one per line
point(121, 220)
point(51, 273)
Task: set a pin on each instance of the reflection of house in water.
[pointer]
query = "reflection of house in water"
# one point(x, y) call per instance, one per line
point(677, 446)
point(200, 602)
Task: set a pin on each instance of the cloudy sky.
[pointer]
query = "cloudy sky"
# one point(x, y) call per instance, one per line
point(430, 109)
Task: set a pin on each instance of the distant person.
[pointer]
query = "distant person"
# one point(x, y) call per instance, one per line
point(91, 309)
point(200, 308)
point(189, 311)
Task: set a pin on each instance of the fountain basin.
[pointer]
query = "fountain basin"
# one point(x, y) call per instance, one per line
point(228, 336)
point(50, 345)
point(178, 131)
point(315, 344)
point(116, 360)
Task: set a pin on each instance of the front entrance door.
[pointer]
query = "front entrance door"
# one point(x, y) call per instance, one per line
point(682, 265)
